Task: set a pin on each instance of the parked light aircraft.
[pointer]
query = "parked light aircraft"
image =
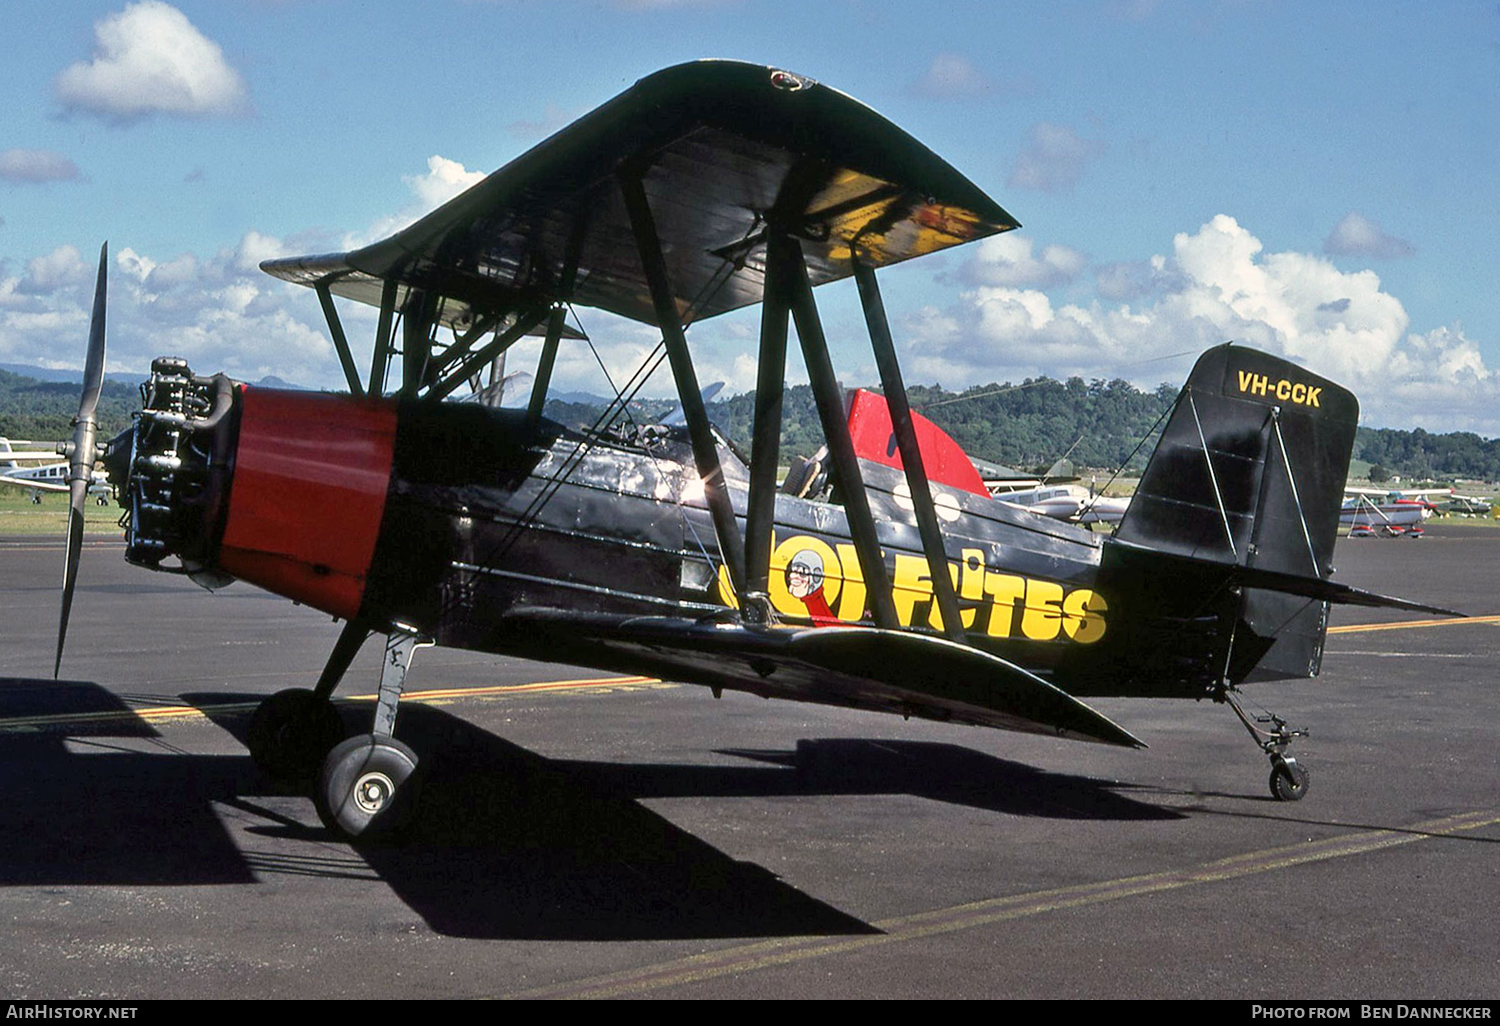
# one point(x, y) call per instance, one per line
point(1468, 505)
point(1424, 494)
point(1393, 511)
point(40, 471)
point(901, 587)
point(1069, 502)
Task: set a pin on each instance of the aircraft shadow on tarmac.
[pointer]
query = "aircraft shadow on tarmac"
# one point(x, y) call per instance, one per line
point(108, 813)
point(504, 843)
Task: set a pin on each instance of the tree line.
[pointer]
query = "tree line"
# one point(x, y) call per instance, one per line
point(1420, 455)
point(1029, 425)
point(1033, 424)
point(1098, 424)
point(44, 410)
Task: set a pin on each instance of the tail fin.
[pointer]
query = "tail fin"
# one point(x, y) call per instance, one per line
point(1250, 472)
point(874, 439)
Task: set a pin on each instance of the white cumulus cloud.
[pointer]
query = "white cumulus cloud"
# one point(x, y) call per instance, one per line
point(443, 180)
point(220, 312)
point(1008, 260)
point(1216, 285)
point(150, 59)
point(62, 268)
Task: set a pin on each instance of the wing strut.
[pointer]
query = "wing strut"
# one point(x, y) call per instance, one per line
point(461, 347)
point(380, 359)
point(340, 340)
point(418, 319)
point(544, 367)
point(668, 319)
point(765, 446)
point(911, 452)
point(787, 251)
point(555, 326)
point(526, 319)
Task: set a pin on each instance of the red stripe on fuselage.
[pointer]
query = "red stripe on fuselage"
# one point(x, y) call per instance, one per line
point(311, 473)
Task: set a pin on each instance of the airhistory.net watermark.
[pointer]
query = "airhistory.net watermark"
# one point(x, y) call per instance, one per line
point(55, 1010)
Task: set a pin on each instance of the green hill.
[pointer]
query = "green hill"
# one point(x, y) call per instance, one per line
point(44, 410)
point(1097, 423)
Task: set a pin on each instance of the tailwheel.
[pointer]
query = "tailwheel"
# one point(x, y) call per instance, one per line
point(1289, 779)
point(292, 732)
point(367, 788)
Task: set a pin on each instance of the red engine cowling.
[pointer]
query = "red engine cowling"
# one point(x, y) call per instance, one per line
point(283, 489)
point(310, 477)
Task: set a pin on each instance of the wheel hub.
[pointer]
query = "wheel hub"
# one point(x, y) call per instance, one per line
point(372, 791)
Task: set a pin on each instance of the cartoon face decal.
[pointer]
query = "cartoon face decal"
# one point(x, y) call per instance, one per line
point(804, 574)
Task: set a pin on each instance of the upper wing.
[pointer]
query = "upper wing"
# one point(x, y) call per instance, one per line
point(861, 667)
point(722, 148)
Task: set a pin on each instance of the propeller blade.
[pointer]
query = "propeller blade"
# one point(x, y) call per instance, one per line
point(70, 577)
point(93, 368)
point(81, 452)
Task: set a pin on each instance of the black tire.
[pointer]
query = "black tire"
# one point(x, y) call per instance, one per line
point(1289, 781)
point(291, 733)
point(368, 787)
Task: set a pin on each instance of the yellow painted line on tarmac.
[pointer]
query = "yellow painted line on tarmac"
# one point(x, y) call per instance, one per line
point(169, 713)
point(765, 954)
point(1358, 628)
point(154, 714)
point(598, 683)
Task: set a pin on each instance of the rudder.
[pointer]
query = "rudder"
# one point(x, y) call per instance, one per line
point(1250, 472)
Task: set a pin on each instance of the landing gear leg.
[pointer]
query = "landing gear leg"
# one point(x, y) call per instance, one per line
point(368, 784)
point(293, 730)
point(1289, 778)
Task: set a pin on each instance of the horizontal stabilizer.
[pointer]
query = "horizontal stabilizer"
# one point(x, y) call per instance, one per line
point(1295, 584)
point(863, 667)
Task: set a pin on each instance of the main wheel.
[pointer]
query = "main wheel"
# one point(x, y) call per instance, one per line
point(1289, 780)
point(367, 788)
point(291, 733)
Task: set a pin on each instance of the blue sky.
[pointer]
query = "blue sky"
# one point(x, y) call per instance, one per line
point(1318, 178)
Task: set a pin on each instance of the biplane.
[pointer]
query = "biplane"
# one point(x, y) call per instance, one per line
point(880, 575)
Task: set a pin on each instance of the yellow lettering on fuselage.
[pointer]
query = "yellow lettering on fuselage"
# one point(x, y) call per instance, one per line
point(1296, 392)
point(811, 579)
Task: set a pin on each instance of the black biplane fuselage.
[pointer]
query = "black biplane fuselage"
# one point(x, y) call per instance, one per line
point(894, 586)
